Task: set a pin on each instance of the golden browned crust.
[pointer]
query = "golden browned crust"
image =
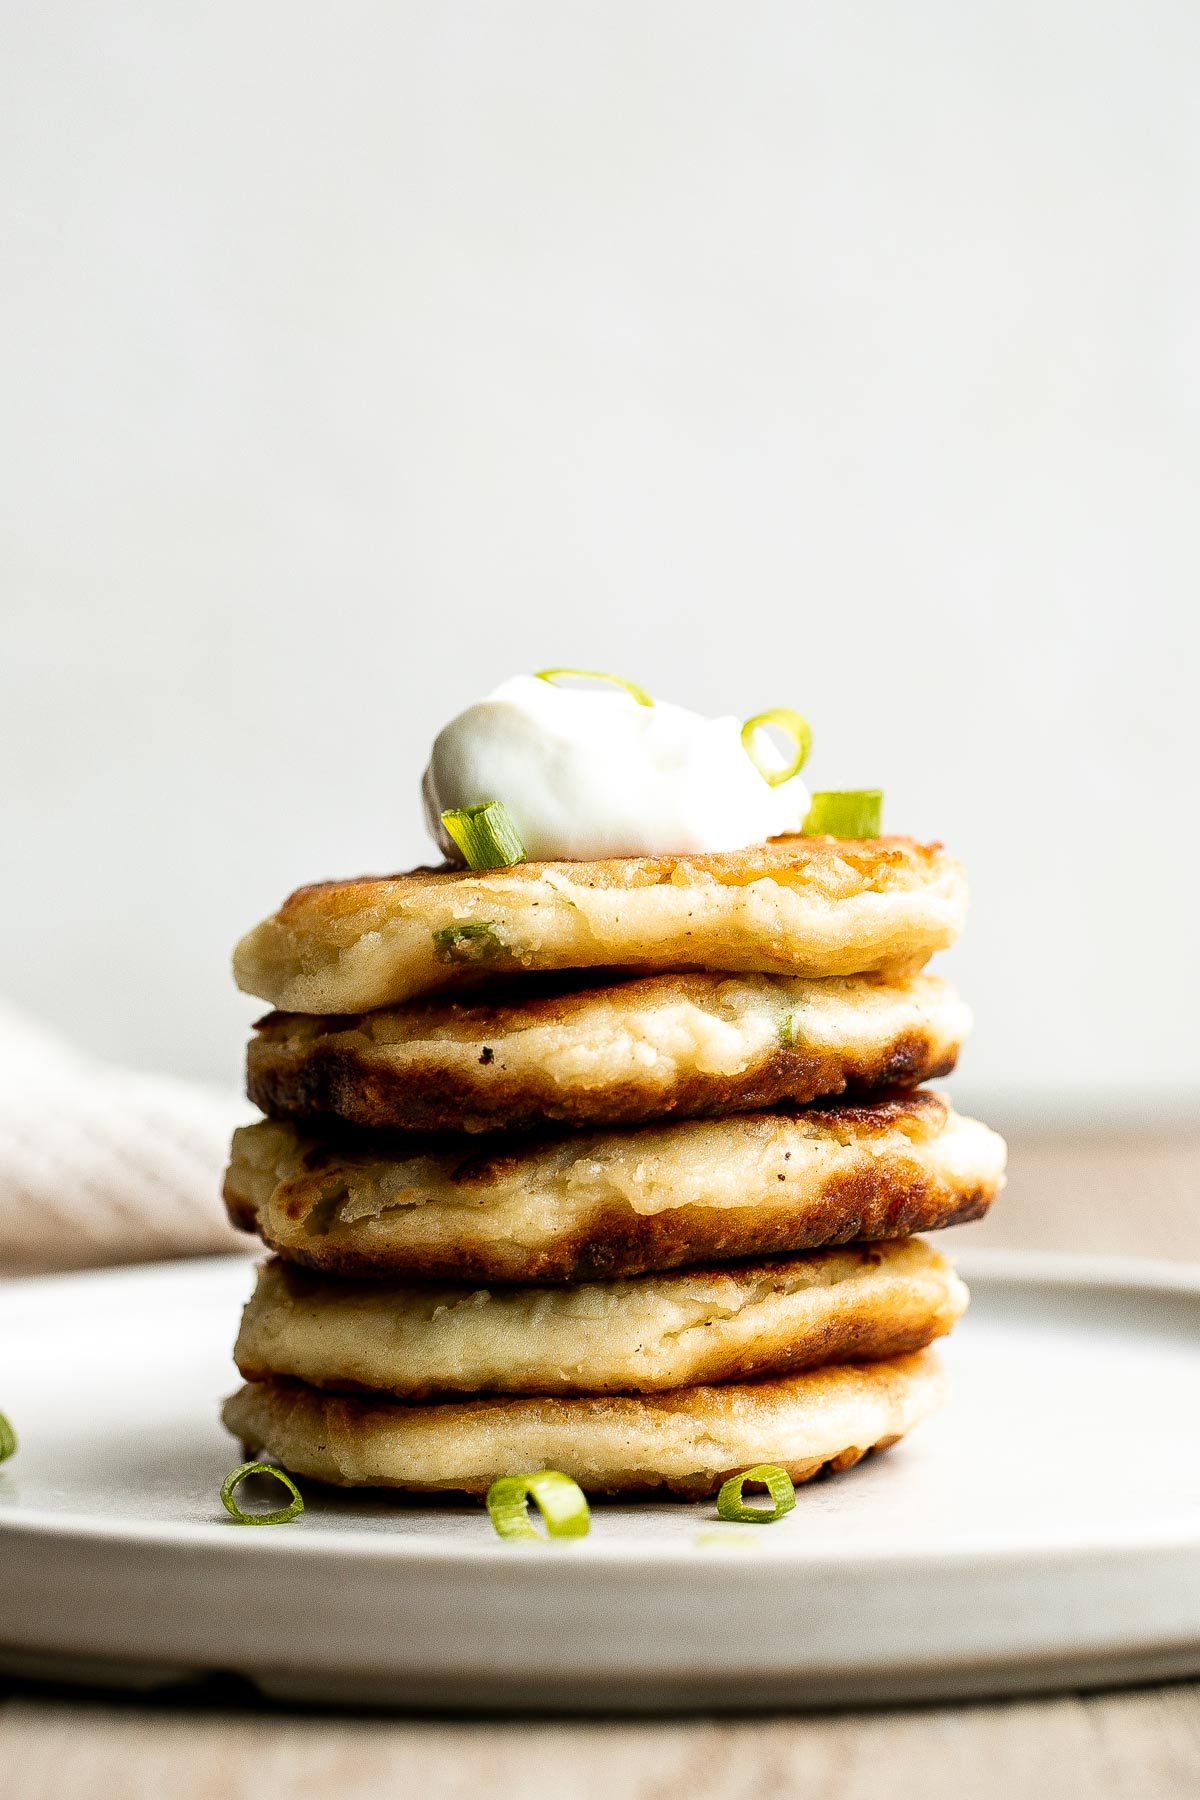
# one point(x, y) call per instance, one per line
point(601, 1204)
point(648, 1334)
point(682, 1045)
point(686, 1442)
point(800, 906)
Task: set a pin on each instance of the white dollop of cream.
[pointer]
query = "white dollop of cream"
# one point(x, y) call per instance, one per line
point(589, 772)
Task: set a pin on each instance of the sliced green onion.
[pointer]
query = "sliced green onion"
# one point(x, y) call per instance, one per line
point(486, 835)
point(845, 813)
point(8, 1439)
point(631, 687)
point(469, 943)
point(229, 1499)
point(560, 1501)
point(719, 1539)
point(794, 726)
point(778, 1483)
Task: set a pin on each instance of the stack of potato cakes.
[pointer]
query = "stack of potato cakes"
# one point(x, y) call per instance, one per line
point(607, 1167)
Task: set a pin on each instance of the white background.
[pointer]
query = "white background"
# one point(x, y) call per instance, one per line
point(844, 357)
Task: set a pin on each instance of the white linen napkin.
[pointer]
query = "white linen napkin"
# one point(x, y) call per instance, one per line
point(105, 1165)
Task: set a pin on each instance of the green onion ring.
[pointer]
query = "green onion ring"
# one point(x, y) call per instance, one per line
point(793, 725)
point(229, 1501)
point(631, 687)
point(561, 1502)
point(486, 834)
point(778, 1483)
point(845, 813)
point(8, 1439)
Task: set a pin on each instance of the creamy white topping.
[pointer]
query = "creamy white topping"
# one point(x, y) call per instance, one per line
point(588, 772)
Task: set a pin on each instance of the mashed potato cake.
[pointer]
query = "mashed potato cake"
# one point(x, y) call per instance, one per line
point(606, 1203)
point(792, 906)
point(619, 1054)
point(687, 1441)
point(644, 1335)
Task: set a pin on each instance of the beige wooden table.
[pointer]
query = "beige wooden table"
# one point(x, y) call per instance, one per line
point(1088, 1192)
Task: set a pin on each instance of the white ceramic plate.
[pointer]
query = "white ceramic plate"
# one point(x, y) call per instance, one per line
point(1043, 1533)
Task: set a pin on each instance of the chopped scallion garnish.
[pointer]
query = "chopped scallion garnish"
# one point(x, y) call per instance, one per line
point(561, 1502)
point(486, 834)
point(778, 1483)
point(8, 1439)
point(845, 813)
point(631, 687)
point(794, 726)
point(229, 1498)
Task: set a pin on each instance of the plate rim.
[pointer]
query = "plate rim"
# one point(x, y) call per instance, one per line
point(989, 1263)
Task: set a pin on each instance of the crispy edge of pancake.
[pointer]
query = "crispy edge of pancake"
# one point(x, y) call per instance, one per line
point(886, 1169)
point(462, 1065)
point(794, 905)
point(687, 1441)
point(649, 1334)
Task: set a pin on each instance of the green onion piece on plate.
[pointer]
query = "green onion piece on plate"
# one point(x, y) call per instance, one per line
point(560, 1501)
point(229, 1498)
point(8, 1439)
point(778, 1483)
point(845, 813)
point(794, 726)
point(631, 687)
point(486, 835)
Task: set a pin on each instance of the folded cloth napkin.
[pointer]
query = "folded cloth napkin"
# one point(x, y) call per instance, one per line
point(104, 1165)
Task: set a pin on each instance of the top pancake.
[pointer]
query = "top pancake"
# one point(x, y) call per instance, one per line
point(792, 906)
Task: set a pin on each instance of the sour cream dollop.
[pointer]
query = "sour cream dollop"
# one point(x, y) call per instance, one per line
point(589, 772)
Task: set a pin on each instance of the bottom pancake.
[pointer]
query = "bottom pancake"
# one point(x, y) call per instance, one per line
point(649, 1333)
point(687, 1441)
